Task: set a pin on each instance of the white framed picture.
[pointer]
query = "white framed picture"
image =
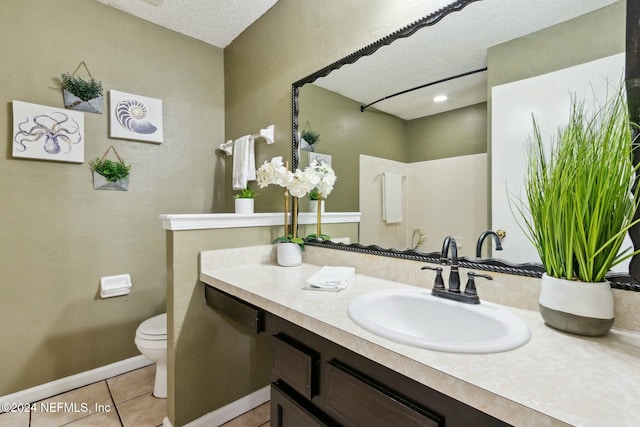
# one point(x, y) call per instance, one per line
point(135, 117)
point(47, 133)
point(320, 158)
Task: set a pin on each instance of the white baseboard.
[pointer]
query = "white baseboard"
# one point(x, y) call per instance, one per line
point(230, 411)
point(71, 382)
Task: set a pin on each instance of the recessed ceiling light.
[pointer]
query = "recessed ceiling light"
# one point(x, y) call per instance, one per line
point(440, 98)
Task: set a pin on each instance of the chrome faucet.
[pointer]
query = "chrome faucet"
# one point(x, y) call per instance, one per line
point(483, 236)
point(470, 294)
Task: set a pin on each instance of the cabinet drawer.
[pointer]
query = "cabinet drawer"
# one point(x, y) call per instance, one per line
point(286, 412)
point(238, 310)
point(365, 403)
point(295, 364)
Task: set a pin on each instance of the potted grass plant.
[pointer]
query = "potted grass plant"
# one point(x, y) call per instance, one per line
point(580, 205)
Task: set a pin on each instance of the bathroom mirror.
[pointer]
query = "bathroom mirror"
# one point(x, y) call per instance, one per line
point(449, 42)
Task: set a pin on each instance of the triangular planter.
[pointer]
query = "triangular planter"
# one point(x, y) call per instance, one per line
point(72, 102)
point(101, 183)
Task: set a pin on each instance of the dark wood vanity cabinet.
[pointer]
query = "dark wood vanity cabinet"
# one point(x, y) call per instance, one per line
point(315, 382)
point(242, 312)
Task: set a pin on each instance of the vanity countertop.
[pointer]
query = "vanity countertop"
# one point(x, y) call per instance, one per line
point(554, 379)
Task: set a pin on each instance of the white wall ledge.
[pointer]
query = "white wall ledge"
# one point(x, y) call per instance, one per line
point(178, 222)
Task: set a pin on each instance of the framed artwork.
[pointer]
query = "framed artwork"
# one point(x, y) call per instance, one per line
point(320, 158)
point(135, 117)
point(47, 133)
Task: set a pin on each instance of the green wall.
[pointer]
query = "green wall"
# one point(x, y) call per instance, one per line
point(346, 132)
point(586, 38)
point(595, 35)
point(59, 236)
point(292, 40)
point(455, 133)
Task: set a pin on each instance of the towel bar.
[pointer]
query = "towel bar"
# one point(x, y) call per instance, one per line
point(267, 134)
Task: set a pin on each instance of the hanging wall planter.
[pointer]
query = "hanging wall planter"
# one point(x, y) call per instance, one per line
point(80, 94)
point(308, 138)
point(109, 174)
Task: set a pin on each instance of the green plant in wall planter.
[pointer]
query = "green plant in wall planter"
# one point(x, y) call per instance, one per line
point(308, 138)
point(81, 94)
point(580, 205)
point(110, 174)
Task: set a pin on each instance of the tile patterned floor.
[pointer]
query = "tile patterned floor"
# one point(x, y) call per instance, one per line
point(122, 401)
point(258, 417)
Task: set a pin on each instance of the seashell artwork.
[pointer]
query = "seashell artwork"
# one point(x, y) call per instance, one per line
point(135, 117)
point(132, 114)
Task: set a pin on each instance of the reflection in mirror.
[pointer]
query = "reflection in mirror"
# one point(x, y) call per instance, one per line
point(433, 195)
point(443, 150)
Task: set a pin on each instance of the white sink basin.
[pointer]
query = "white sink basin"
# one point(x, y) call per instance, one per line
point(415, 317)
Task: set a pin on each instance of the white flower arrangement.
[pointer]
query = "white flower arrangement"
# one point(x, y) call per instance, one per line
point(274, 172)
point(323, 177)
point(317, 177)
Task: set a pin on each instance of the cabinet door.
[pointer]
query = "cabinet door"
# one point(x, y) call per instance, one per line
point(286, 412)
point(365, 403)
point(295, 364)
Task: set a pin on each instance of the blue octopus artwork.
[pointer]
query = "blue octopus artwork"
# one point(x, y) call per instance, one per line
point(43, 132)
point(52, 130)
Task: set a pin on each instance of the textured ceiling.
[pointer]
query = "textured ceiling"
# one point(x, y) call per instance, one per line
point(456, 45)
point(217, 22)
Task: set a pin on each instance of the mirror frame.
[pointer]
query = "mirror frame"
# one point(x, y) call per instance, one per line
point(617, 280)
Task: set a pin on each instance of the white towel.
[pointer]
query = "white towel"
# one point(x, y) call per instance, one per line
point(244, 162)
point(331, 279)
point(391, 198)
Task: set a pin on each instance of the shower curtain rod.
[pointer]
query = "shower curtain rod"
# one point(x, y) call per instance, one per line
point(364, 107)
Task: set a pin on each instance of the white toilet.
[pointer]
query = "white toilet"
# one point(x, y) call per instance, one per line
point(151, 339)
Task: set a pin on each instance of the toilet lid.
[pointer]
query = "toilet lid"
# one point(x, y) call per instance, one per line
point(155, 326)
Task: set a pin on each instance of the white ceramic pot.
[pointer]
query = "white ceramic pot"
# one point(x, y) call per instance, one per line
point(288, 254)
point(244, 206)
point(577, 307)
point(313, 206)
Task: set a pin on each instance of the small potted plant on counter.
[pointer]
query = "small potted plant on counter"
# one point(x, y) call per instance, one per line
point(244, 203)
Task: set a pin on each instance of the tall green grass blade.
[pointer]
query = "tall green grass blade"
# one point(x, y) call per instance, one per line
point(580, 196)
